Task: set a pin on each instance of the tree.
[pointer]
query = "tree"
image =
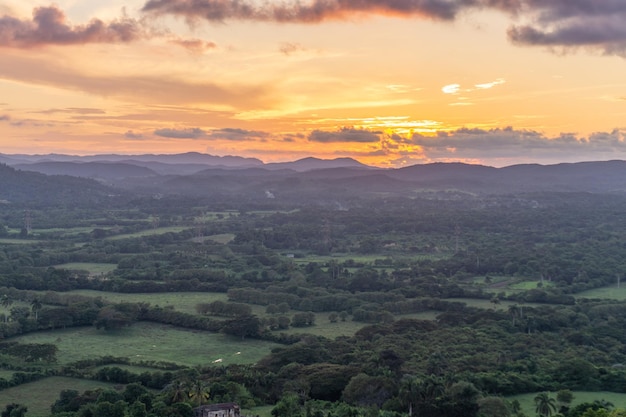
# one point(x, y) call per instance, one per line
point(243, 326)
point(177, 391)
point(14, 410)
point(6, 301)
point(36, 306)
point(288, 406)
point(493, 407)
point(198, 391)
point(544, 404)
point(564, 397)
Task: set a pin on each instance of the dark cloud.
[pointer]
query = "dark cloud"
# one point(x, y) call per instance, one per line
point(49, 27)
point(608, 35)
point(4, 117)
point(235, 134)
point(132, 135)
point(190, 133)
point(346, 134)
point(300, 12)
point(566, 24)
point(520, 145)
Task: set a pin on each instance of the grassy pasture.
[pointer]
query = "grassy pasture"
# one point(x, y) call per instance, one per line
point(263, 411)
point(529, 285)
point(150, 232)
point(610, 292)
point(223, 238)
point(528, 405)
point(150, 341)
point(487, 304)
point(323, 326)
point(70, 231)
point(11, 241)
point(38, 396)
point(92, 268)
point(136, 369)
point(182, 301)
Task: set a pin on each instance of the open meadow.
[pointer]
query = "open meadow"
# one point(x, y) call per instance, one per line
point(528, 405)
point(92, 267)
point(184, 302)
point(151, 342)
point(610, 292)
point(38, 396)
point(150, 232)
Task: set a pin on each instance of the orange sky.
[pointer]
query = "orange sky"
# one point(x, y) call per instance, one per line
point(389, 83)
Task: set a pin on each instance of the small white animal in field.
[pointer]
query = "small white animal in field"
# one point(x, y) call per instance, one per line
point(218, 360)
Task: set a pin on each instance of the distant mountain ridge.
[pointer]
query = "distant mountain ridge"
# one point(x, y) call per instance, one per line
point(311, 179)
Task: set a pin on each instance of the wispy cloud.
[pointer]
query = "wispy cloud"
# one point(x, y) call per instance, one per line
point(132, 135)
point(148, 89)
point(289, 48)
point(195, 46)
point(485, 86)
point(451, 88)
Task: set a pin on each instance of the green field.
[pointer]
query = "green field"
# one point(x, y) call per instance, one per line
point(223, 238)
point(92, 268)
point(182, 301)
point(150, 232)
point(151, 342)
point(10, 241)
point(610, 292)
point(38, 396)
point(528, 405)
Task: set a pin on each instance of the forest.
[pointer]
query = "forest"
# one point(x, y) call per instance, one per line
point(421, 303)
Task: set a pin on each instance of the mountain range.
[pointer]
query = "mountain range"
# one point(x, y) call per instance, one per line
point(195, 174)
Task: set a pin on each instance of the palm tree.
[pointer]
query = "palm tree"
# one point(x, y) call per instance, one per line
point(35, 306)
point(409, 392)
point(198, 391)
point(6, 302)
point(177, 391)
point(544, 404)
point(513, 311)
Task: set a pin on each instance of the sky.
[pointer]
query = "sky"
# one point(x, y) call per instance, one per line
point(390, 83)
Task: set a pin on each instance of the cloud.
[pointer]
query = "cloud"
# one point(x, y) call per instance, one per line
point(195, 46)
point(346, 134)
point(235, 134)
point(290, 48)
point(146, 89)
point(4, 117)
point(49, 27)
point(508, 144)
point(190, 133)
point(490, 85)
point(132, 135)
point(74, 110)
point(596, 24)
point(315, 11)
point(451, 88)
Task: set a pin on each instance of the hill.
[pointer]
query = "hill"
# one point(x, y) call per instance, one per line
point(35, 189)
